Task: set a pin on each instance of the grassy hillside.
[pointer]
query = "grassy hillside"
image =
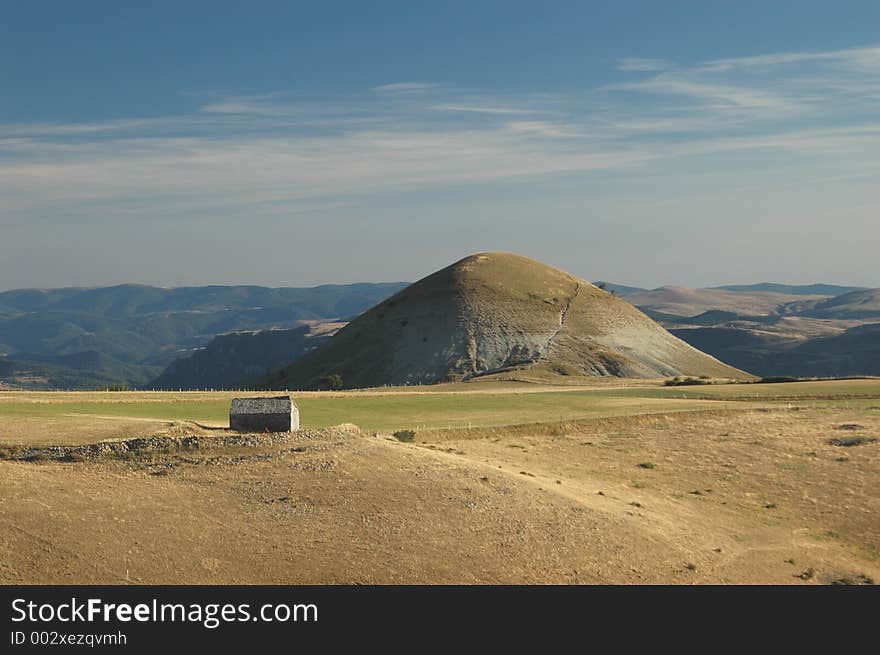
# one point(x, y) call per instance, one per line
point(491, 312)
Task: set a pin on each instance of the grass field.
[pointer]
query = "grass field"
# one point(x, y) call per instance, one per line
point(42, 418)
point(80, 417)
point(617, 482)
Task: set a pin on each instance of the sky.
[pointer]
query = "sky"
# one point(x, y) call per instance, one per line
point(295, 144)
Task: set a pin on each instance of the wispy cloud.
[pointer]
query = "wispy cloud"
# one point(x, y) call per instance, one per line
point(637, 64)
point(406, 87)
point(754, 91)
point(484, 109)
point(862, 59)
point(237, 152)
point(551, 129)
point(718, 95)
point(73, 129)
point(243, 106)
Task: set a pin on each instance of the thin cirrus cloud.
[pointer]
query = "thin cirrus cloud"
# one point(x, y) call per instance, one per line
point(240, 152)
point(406, 87)
point(485, 109)
point(860, 59)
point(638, 64)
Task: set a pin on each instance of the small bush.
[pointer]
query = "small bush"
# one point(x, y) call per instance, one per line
point(686, 382)
point(406, 436)
point(647, 465)
point(564, 369)
point(333, 382)
point(776, 379)
point(849, 442)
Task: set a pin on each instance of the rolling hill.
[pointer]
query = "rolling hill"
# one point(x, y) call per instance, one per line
point(491, 312)
point(863, 304)
point(853, 352)
point(619, 289)
point(791, 289)
point(683, 301)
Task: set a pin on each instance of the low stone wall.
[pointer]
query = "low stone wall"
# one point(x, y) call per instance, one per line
point(165, 444)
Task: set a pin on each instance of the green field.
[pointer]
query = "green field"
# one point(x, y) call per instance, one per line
point(48, 417)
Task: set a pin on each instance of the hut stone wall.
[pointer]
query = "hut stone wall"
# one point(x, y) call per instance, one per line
point(278, 414)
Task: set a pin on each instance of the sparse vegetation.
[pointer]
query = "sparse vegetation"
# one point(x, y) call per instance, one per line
point(709, 484)
point(679, 381)
point(406, 436)
point(848, 442)
point(847, 580)
point(562, 368)
point(333, 382)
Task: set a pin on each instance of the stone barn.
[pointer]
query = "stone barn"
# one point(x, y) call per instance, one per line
point(278, 414)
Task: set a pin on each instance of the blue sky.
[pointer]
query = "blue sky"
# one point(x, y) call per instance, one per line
point(287, 144)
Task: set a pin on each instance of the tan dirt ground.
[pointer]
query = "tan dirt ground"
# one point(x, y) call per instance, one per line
point(752, 495)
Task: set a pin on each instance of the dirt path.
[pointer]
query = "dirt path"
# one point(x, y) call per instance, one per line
point(734, 517)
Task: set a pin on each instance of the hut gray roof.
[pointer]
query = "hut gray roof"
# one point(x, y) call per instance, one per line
point(261, 405)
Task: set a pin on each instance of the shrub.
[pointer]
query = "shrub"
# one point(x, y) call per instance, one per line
point(561, 368)
point(406, 436)
point(775, 379)
point(685, 382)
point(332, 382)
point(849, 442)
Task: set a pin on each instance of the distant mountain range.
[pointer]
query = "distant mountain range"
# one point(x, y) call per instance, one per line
point(791, 289)
point(619, 289)
point(772, 333)
point(143, 336)
point(127, 334)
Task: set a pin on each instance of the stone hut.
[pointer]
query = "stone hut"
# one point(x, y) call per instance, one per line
point(278, 414)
